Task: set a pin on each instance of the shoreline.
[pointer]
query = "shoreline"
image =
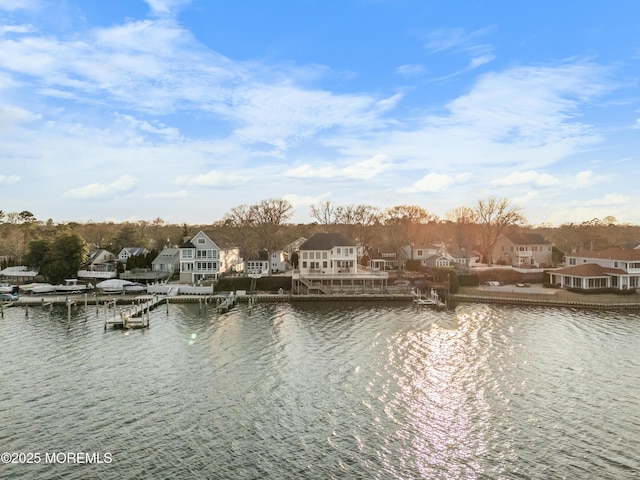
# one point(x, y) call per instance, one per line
point(535, 295)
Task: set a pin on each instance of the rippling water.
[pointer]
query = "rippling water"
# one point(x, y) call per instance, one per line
point(324, 390)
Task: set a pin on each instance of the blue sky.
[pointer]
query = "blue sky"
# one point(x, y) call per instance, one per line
point(133, 110)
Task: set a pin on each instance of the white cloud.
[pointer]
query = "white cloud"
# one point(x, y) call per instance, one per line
point(213, 178)
point(9, 179)
point(13, 5)
point(163, 7)
point(11, 115)
point(528, 177)
point(410, 70)
point(124, 184)
point(586, 179)
point(435, 182)
point(609, 199)
point(453, 38)
point(367, 169)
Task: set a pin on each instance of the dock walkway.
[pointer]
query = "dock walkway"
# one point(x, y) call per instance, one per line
point(133, 316)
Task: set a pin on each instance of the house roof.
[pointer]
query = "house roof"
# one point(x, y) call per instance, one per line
point(588, 270)
point(614, 253)
point(133, 251)
point(325, 241)
point(527, 239)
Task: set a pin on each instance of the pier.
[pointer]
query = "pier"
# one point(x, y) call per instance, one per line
point(134, 316)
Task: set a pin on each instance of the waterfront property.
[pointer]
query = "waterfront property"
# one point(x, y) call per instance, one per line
point(100, 265)
point(202, 259)
point(329, 264)
point(523, 250)
point(617, 268)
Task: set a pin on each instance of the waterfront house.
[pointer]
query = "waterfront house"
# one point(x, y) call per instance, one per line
point(464, 258)
point(100, 265)
point(329, 263)
point(256, 267)
point(128, 252)
point(199, 259)
point(381, 259)
point(617, 268)
point(431, 255)
point(522, 250)
point(202, 259)
point(167, 262)
point(18, 274)
point(278, 261)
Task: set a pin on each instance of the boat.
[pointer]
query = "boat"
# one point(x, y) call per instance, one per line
point(38, 288)
point(71, 285)
point(134, 287)
point(115, 285)
point(7, 288)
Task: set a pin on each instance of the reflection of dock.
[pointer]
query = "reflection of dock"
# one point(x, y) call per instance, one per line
point(134, 316)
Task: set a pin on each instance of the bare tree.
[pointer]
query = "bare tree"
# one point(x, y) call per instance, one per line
point(269, 216)
point(494, 217)
point(325, 213)
point(463, 219)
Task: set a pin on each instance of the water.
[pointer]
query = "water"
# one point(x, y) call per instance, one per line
point(323, 390)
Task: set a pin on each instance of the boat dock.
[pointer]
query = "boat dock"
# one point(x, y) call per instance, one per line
point(432, 300)
point(133, 316)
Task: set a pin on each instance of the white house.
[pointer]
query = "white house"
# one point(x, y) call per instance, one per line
point(617, 268)
point(328, 264)
point(199, 259)
point(256, 267)
point(278, 261)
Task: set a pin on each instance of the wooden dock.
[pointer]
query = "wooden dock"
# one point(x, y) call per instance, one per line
point(227, 303)
point(133, 316)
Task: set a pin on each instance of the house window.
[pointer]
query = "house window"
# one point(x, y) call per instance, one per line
point(187, 253)
point(572, 261)
point(304, 264)
point(201, 241)
point(324, 264)
point(304, 256)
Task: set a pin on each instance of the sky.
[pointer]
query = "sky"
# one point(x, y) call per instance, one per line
point(134, 110)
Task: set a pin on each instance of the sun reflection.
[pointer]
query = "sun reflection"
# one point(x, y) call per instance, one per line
point(438, 396)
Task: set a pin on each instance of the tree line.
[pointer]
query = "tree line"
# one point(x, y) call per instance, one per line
point(58, 249)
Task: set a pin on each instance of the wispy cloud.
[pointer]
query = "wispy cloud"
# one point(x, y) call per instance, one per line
point(435, 182)
point(213, 178)
point(366, 169)
point(586, 179)
point(608, 199)
point(124, 184)
point(411, 70)
point(529, 177)
point(9, 179)
point(454, 38)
